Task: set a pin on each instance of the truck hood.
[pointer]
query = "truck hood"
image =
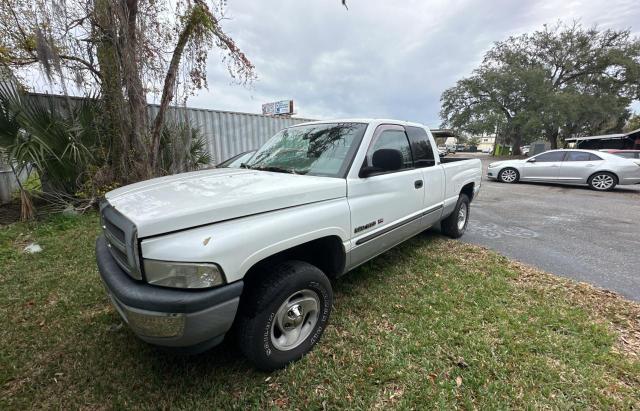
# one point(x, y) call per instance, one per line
point(188, 200)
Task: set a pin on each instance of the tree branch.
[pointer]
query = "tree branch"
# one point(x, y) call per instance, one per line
point(169, 83)
point(83, 62)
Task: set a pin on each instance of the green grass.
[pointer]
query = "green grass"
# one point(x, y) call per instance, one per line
point(433, 323)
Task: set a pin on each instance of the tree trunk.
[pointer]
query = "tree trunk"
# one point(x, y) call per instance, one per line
point(168, 88)
point(516, 142)
point(136, 92)
point(553, 139)
point(116, 115)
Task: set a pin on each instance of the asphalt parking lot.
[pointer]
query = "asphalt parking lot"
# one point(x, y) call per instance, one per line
point(570, 231)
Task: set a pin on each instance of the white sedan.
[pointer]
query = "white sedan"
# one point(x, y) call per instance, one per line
point(600, 171)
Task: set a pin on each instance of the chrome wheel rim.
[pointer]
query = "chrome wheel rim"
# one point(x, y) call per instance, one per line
point(509, 176)
point(602, 181)
point(462, 216)
point(295, 320)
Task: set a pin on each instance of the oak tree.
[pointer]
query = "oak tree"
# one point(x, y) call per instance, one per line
point(557, 82)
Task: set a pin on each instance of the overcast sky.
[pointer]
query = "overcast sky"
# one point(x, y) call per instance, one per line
point(380, 58)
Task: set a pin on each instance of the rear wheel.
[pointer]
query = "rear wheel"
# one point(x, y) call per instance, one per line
point(509, 175)
point(455, 225)
point(602, 181)
point(284, 316)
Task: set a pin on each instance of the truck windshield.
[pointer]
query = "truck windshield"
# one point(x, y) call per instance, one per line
point(316, 149)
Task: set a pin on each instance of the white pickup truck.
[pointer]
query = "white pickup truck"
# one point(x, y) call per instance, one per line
point(186, 257)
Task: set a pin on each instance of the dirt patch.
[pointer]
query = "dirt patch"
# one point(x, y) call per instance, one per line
point(9, 213)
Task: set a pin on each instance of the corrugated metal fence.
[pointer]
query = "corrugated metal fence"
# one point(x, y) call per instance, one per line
point(227, 133)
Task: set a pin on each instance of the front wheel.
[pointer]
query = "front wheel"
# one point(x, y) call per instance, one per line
point(455, 225)
point(602, 181)
point(509, 175)
point(284, 315)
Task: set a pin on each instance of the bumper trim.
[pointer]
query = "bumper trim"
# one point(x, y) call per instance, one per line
point(147, 297)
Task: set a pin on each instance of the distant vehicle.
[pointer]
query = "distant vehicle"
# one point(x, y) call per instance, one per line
point(600, 171)
point(442, 151)
point(237, 160)
point(525, 150)
point(632, 154)
point(461, 147)
point(487, 150)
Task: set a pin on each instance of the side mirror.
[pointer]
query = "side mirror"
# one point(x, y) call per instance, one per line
point(383, 160)
point(531, 160)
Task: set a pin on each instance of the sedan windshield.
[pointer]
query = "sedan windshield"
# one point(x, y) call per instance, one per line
point(316, 149)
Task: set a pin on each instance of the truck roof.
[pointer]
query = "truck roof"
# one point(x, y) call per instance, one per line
point(375, 121)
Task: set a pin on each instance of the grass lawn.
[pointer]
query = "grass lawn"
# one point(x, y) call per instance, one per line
point(433, 323)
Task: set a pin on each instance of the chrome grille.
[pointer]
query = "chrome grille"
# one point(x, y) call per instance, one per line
point(120, 234)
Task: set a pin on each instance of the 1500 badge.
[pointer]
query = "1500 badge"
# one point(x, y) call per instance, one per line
point(367, 226)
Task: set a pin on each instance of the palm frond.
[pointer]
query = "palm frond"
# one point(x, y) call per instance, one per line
point(59, 141)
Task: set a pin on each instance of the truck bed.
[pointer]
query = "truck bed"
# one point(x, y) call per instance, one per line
point(459, 171)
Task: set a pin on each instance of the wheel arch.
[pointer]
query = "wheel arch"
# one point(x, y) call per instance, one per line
point(604, 171)
point(327, 253)
point(468, 189)
point(512, 167)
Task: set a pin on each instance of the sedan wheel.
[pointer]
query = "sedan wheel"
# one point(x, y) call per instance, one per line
point(602, 182)
point(509, 175)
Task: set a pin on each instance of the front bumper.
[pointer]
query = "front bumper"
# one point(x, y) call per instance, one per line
point(190, 320)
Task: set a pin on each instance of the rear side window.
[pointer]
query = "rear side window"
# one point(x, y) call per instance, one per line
point(420, 146)
point(549, 157)
point(593, 157)
point(578, 156)
point(397, 140)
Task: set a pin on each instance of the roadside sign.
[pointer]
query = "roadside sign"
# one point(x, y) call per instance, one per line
point(277, 108)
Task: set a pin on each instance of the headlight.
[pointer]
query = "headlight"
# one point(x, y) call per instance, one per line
point(492, 165)
point(182, 275)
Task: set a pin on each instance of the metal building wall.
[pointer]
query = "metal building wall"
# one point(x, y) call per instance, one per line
point(230, 133)
point(227, 133)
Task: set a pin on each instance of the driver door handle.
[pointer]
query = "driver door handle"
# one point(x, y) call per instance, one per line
point(418, 184)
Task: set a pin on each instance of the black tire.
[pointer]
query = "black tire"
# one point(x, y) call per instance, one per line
point(603, 181)
point(449, 226)
point(509, 171)
point(262, 301)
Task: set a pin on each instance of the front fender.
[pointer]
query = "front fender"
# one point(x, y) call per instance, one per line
point(236, 245)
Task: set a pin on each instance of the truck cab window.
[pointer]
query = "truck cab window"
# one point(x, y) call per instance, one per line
point(421, 147)
point(394, 139)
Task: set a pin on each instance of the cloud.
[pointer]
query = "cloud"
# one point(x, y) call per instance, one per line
point(379, 58)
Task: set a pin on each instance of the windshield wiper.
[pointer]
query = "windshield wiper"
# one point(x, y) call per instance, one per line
point(275, 169)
